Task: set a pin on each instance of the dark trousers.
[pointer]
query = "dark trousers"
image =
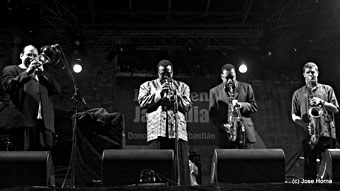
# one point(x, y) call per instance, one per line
point(312, 154)
point(225, 144)
point(36, 138)
point(183, 155)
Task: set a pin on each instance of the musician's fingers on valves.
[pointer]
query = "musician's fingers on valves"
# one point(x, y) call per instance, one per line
point(165, 86)
point(32, 66)
point(167, 90)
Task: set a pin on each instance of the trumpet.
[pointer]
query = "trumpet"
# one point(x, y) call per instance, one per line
point(49, 54)
point(171, 91)
point(168, 93)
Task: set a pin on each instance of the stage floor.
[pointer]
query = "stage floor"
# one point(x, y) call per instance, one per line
point(211, 187)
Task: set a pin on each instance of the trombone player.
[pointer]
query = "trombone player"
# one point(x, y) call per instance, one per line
point(313, 108)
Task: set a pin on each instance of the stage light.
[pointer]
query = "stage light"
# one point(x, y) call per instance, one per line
point(77, 68)
point(243, 68)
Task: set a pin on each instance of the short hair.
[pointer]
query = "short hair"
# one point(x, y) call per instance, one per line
point(227, 67)
point(26, 46)
point(310, 65)
point(164, 63)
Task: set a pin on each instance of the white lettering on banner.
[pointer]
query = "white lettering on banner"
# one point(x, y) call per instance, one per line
point(140, 115)
point(136, 95)
point(195, 115)
point(195, 96)
point(134, 136)
point(191, 136)
point(201, 136)
point(199, 96)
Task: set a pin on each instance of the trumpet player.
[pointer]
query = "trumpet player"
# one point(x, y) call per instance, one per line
point(166, 101)
point(31, 115)
point(320, 127)
point(232, 94)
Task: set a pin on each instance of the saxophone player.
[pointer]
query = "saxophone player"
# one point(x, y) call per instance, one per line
point(231, 94)
point(310, 96)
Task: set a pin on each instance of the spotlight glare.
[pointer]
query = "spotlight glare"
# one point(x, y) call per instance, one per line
point(243, 68)
point(77, 68)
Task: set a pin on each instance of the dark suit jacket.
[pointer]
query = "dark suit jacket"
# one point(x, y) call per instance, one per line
point(25, 93)
point(218, 107)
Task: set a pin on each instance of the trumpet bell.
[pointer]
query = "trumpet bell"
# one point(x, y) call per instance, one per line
point(50, 54)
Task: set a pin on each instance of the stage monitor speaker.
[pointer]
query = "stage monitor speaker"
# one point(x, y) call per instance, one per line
point(329, 169)
point(126, 167)
point(26, 168)
point(248, 166)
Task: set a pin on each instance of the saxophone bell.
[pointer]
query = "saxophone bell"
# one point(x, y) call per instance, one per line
point(315, 114)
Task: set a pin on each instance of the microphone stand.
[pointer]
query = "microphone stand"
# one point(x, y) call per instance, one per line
point(76, 99)
point(175, 112)
point(177, 170)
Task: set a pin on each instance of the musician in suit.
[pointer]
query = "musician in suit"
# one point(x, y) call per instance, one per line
point(242, 98)
point(31, 115)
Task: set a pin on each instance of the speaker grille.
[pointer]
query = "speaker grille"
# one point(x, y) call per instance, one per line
point(248, 166)
point(26, 168)
point(124, 167)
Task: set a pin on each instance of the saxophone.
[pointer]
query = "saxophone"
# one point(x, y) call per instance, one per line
point(234, 127)
point(315, 113)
